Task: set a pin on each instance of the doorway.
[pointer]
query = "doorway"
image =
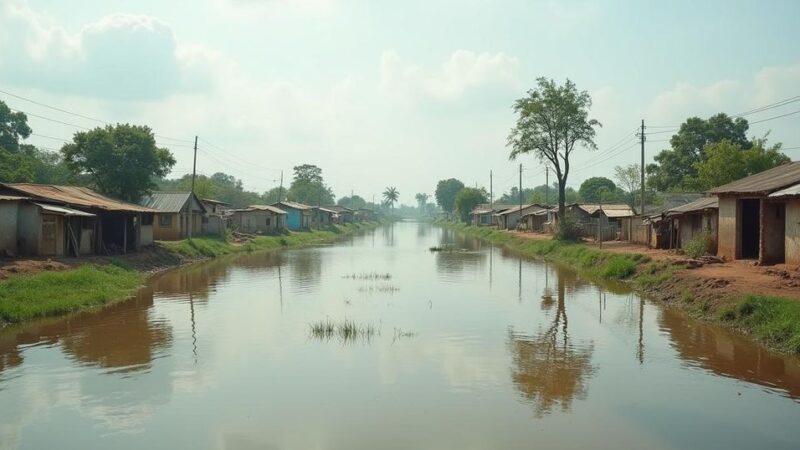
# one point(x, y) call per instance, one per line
point(750, 232)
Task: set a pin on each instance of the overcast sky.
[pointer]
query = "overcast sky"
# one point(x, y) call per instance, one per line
point(399, 93)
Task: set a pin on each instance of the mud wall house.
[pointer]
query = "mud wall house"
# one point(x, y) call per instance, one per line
point(258, 219)
point(298, 215)
point(483, 214)
point(693, 219)
point(537, 220)
point(759, 216)
point(9, 222)
point(342, 214)
point(215, 221)
point(179, 215)
point(71, 221)
point(321, 216)
point(510, 218)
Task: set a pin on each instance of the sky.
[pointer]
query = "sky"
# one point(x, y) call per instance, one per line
point(381, 93)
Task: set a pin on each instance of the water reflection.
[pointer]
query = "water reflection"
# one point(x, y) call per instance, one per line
point(549, 369)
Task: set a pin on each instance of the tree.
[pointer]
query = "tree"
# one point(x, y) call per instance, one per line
point(467, 199)
point(727, 161)
point(446, 191)
point(121, 160)
point(308, 186)
point(353, 202)
point(630, 180)
point(390, 196)
point(13, 127)
point(551, 120)
point(422, 200)
point(591, 188)
point(675, 169)
point(274, 195)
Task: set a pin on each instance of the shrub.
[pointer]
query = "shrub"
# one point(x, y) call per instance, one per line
point(698, 245)
point(568, 229)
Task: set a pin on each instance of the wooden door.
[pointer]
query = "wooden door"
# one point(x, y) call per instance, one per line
point(49, 234)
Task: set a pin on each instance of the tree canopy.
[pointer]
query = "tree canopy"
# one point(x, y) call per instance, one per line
point(551, 120)
point(390, 196)
point(727, 161)
point(592, 188)
point(353, 202)
point(446, 191)
point(630, 180)
point(309, 187)
point(467, 199)
point(675, 169)
point(120, 160)
point(13, 127)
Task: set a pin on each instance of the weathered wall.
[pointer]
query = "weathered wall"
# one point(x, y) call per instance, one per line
point(147, 235)
point(29, 229)
point(727, 225)
point(255, 222)
point(172, 232)
point(8, 227)
point(793, 232)
point(773, 231)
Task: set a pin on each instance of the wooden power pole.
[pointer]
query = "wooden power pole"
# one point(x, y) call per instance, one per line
point(191, 197)
point(641, 137)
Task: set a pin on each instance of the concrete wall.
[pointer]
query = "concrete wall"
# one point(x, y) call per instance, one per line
point(773, 232)
point(8, 227)
point(29, 229)
point(147, 234)
point(793, 232)
point(255, 222)
point(172, 232)
point(727, 228)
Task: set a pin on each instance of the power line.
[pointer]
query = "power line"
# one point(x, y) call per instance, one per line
point(770, 106)
point(775, 117)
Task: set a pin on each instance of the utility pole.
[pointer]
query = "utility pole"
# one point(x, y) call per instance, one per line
point(491, 192)
point(191, 199)
point(641, 136)
point(280, 189)
point(351, 199)
point(520, 192)
point(547, 185)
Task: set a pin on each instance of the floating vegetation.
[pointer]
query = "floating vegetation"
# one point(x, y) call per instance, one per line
point(443, 248)
point(400, 333)
point(347, 330)
point(369, 276)
point(382, 288)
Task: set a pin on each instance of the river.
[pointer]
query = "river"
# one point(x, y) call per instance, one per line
point(470, 348)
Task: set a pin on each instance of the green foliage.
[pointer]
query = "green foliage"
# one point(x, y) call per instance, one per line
point(390, 196)
point(354, 202)
point(422, 200)
point(549, 111)
point(446, 191)
point(675, 169)
point(50, 293)
point(629, 179)
point(773, 320)
point(726, 161)
point(593, 187)
point(219, 186)
point(13, 127)
point(698, 245)
point(121, 160)
point(568, 229)
point(467, 199)
point(308, 186)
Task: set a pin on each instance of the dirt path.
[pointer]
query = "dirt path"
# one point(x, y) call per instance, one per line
point(734, 277)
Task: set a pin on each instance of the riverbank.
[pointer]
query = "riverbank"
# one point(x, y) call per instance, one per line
point(32, 289)
point(772, 320)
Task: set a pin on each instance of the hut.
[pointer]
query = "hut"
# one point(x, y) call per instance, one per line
point(298, 215)
point(179, 215)
point(759, 216)
point(342, 214)
point(509, 219)
point(693, 219)
point(258, 219)
point(537, 220)
point(321, 216)
point(57, 220)
point(483, 214)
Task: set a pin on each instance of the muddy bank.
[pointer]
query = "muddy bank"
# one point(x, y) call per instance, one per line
point(773, 320)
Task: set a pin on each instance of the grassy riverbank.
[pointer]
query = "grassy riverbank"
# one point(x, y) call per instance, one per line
point(94, 284)
point(774, 321)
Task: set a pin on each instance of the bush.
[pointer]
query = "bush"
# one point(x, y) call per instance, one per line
point(698, 245)
point(568, 229)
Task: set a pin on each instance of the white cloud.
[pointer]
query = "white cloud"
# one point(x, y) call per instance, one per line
point(776, 83)
point(702, 100)
point(463, 71)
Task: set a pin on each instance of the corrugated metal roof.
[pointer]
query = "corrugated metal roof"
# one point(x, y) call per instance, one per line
point(697, 205)
point(788, 192)
point(216, 202)
point(63, 210)
point(11, 198)
point(325, 209)
point(517, 209)
point(763, 182)
point(292, 205)
point(338, 209)
point(486, 208)
point(74, 196)
point(609, 209)
point(269, 208)
point(166, 201)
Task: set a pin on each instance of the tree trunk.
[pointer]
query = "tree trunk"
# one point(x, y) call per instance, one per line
point(562, 199)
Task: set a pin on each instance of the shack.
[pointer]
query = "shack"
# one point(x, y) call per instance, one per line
point(509, 219)
point(298, 215)
point(321, 216)
point(179, 215)
point(483, 214)
point(215, 206)
point(258, 219)
point(537, 221)
point(693, 219)
point(71, 221)
point(342, 214)
point(759, 216)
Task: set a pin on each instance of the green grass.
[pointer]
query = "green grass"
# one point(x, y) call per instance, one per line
point(45, 294)
point(772, 320)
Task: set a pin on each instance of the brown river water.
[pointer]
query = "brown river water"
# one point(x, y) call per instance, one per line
point(469, 349)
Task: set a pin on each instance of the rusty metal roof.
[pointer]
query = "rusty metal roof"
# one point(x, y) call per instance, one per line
point(486, 208)
point(74, 196)
point(292, 205)
point(269, 208)
point(11, 198)
point(62, 210)
point(695, 206)
point(763, 182)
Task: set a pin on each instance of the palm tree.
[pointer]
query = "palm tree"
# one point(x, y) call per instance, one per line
point(422, 200)
point(390, 195)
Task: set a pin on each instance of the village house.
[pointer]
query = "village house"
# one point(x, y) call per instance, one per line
point(483, 214)
point(215, 221)
point(258, 219)
point(365, 215)
point(179, 215)
point(676, 227)
point(321, 216)
point(343, 214)
point(759, 216)
point(51, 220)
point(537, 220)
point(508, 219)
point(215, 207)
point(298, 215)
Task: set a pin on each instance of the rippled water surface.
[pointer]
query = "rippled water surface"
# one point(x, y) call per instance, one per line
point(466, 349)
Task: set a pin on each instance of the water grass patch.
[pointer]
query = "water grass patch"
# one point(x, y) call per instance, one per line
point(347, 331)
